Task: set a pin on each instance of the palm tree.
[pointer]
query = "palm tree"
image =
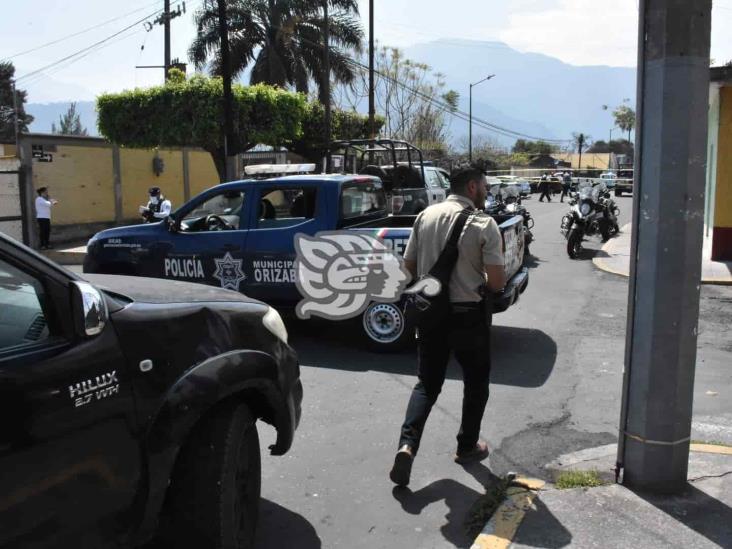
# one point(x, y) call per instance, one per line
point(282, 38)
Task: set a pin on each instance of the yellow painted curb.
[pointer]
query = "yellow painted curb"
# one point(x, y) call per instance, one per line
point(499, 532)
point(712, 449)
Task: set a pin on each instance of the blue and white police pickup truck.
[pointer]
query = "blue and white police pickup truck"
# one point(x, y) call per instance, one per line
point(240, 236)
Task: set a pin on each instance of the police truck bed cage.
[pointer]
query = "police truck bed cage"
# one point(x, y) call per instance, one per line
point(398, 163)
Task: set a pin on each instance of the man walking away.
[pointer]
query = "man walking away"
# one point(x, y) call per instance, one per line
point(43, 215)
point(465, 331)
point(544, 188)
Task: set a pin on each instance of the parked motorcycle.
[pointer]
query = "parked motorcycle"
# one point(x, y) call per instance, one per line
point(592, 212)
point(504, 202)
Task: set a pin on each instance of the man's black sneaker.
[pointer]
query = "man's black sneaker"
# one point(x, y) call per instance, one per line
point(402, 468)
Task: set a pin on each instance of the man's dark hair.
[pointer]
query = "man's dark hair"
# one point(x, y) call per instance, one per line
point(459, 181)
point(41, 190)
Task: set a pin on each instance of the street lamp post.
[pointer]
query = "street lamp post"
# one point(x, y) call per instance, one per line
point(470, 118)
point(609, 151)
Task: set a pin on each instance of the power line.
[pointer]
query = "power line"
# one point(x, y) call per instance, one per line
point(53, 70)
point(88, 48)
point(79, 33)
point(445, 107)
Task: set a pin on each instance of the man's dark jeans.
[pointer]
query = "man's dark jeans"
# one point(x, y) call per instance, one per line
point(468, 336)
point(44, 231)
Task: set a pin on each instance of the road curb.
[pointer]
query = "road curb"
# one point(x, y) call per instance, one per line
point(609, 247)
point(711, 449)
point(498, 533)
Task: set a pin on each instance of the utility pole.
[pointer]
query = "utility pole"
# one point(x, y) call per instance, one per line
point(470, 118)
point(166, 26)
point(229, 138)
point(16, 123)
point(666, 249)
point(609, 151)
point(580, 146)
point(164, 20)
point(326, 84)
point(372, 107)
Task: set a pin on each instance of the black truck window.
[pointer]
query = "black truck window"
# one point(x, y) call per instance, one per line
point(225, 208)
point(22, 321)
point(284, 207)
point(360, 199)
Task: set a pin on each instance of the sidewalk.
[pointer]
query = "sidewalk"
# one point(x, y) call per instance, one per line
point(68, 254)
point(615, 258)
point(614, 516)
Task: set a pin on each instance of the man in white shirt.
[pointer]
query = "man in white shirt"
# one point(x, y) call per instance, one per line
point(158, 207)
point(43, 215)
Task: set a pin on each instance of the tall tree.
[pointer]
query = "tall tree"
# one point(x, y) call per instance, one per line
point(7, 109)
point(282, 41)
point(69, 123)
point(624, 118)
point(533, 147)
point(413, 100)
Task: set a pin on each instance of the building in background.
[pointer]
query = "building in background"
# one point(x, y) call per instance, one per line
point(718, 207)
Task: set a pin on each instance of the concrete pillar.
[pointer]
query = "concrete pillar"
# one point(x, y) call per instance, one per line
point(673, 92)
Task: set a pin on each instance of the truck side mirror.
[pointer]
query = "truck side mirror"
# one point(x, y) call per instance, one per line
point(172, 224)
point(89, 309)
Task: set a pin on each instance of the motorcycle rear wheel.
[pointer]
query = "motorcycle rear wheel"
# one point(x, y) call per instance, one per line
point(574, 243)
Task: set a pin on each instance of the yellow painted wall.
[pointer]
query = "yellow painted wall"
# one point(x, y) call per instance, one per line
point(202, 171)
point(81, 179)
point(723, 198)
point(137, 176)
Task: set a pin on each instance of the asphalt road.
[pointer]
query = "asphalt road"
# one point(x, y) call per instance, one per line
point(556, 383)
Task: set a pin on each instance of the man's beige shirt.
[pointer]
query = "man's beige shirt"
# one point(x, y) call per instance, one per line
point(480, 244)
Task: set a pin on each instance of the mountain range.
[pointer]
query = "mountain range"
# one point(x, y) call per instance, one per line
point(531, 93)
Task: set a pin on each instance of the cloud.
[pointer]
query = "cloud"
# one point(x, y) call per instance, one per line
point(601, 32)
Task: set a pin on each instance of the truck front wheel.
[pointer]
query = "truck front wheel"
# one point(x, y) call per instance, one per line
point(386, 328)
point(213, 500)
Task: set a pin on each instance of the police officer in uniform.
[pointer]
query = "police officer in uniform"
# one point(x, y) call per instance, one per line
point(465, 332)
point(158, 207)
point(544, 188)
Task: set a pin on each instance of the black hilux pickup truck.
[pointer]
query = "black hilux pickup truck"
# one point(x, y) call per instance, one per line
point(128, 408)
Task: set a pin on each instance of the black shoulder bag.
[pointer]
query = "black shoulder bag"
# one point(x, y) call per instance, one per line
point(431, 311)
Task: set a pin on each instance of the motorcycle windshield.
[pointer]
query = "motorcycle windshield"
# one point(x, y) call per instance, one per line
point(588, 191)
point(505, 192)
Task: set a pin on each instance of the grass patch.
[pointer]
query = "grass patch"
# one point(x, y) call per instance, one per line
point(712, 442)
point(578, 479)
point(482, 510)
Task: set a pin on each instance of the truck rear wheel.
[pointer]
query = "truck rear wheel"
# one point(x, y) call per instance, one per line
point(213, 500)
point(386, 328)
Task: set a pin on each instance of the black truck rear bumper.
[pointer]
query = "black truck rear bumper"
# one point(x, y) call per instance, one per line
point(510, 294)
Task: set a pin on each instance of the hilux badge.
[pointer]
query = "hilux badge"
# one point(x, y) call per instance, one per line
point(98, 388)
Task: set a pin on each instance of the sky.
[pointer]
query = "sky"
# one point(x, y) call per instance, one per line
point(579, 32)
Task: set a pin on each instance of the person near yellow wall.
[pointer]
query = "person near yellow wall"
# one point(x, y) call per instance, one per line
point(158, 207)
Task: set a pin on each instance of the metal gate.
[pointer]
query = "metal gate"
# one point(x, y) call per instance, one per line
point(11, 211)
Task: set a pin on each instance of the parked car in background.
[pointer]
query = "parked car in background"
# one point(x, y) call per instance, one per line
point(410, 182)
point(610, 179)
point(133, 402)
point(523, 184)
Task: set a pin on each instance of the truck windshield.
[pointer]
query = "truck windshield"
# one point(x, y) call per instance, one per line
point(360, 199)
